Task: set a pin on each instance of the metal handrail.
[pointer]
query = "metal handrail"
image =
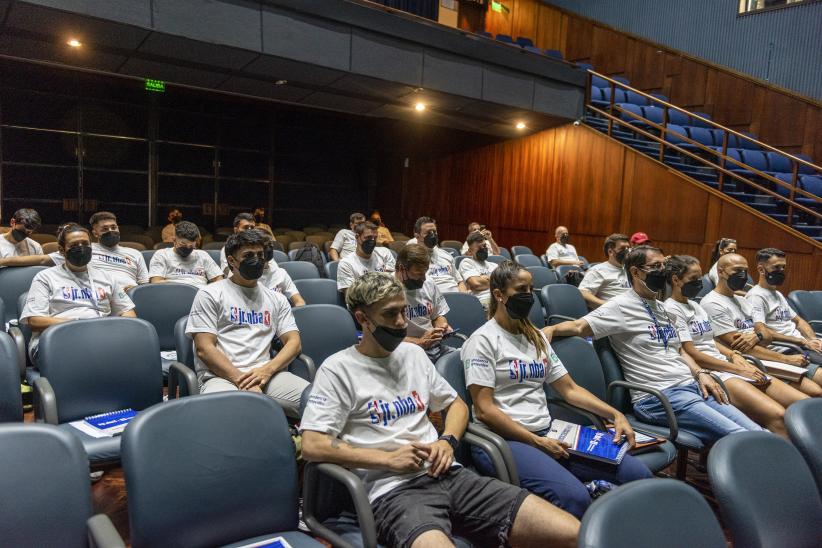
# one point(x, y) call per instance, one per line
point(722, 156)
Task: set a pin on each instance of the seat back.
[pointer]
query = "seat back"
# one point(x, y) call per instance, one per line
point(24, 327)
point(805, 431)
point(11, 404)
point(466, 312)
point(628, 109)
point(498, 259)
point(702, 135)
point(504, 252)
point(676, 134)
point(331, 269)
point(564, 300)
point(778, 162)
point(214, 245)
point(451, 244)
point(677, 117)
point(707, 287)
point(612, 369)
point(542, 276)
point(555, 53)
point(582, 363)
point(301, 270)
point(319, 291)
point(14, 281)
point(537, 314)
point(162, 305)
point(45, 498)
point(324, 330)
point(812, 184)
point(654, 114)
point(193, 478)
point(766, 493)
point(756, 159)
point(596, 94)
point(527, 259)
point(521, 250)
point(121, 369)
point(280, 257)
point(807, 304)
point(563, 270)
point(148, 254)
point(635, 98)
point(215, 255)
point(451, 369)
point(600, 82)
point(644, 512)
point(183, 344)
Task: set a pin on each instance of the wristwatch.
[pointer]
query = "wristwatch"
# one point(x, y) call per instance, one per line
point(759, 336)
point(452, 441)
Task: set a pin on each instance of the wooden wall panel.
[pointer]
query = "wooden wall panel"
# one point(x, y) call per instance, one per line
point(550, 30)
point(575, 176)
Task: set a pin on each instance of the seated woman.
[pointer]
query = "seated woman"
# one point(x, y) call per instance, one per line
point(759, 396)
point(510, 400)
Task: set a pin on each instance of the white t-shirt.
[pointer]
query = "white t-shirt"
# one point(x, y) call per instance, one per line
point(605, 281)
point(471, 267)
point(277, 279)
point(424, 305)
point(21, 249)
point(713, 274)
point(509, 364)
point(771, 308)
point(728, 314)
point(126, 265)
point(464, 249)
point(442, 271)
point(196, 269)
point(58, 292)
point(353, 266)
point(645, 338)
point(345, 242)
point(245, 320)
point(377, 403)
point(558, 251)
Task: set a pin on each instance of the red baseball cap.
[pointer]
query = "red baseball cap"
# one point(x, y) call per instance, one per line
point(638, 238)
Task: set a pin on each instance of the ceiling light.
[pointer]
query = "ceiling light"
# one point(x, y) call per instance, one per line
point(520, 125)
point(74, 43)
point(420, 107)
point(280, 82)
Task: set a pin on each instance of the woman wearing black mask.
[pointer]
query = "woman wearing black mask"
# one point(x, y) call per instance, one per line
point(756, 394)
point(476, 270)
point(507, 362)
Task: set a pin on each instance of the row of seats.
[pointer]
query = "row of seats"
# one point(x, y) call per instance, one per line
point(525, 43)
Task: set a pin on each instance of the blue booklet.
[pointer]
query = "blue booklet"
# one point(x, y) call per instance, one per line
point(276, 542)
point(588, 442)
point(113, 422)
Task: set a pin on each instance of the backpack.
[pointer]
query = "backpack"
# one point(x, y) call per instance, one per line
point(311, 253)
point(574, 277)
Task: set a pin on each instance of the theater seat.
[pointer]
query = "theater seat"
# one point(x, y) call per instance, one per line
point(808, 304)
point(324, 330)
point(527, 260)
point(300, 270)
point(11, 405)
point(805, 430)
point(466, 313)
point(542, 276)
point(14, 281)
point(562, 302)
point(319, 291)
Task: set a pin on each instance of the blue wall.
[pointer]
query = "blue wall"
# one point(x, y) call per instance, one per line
point(712, 30)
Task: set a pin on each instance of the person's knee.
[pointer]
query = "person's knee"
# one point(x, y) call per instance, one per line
point(632, 469)
point(539, 523)
point(574, 499)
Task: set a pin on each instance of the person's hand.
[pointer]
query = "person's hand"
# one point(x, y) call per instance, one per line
point(750, 371)
point(580, 263)
point(814, 344)
point(255, 389)
point(555, 448)
point(408, 458)
point(799, 360)
point(548, 331)
point(257, 377)
point(431, 337)
point(744, 342)
point(126, 289)
point(709, 387)
point(623, 428)
point(440, 456)
point(486, 233)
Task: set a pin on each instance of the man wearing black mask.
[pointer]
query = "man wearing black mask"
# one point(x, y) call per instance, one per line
point(606, 280)
point(126, 265)
point(184, 263)
point(16, 247)
point(476, 270)
point(367, 258)
point(441, 270)
point(732, 317)
point(561, 252)
point(233, 323)
point(76, 289)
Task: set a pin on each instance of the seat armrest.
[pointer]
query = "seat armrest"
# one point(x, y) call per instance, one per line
point(816, 325)
point(673, 427)
point(755, 361)
point(177, 370)
point(493, 454)
point(596, 420)
point(45, 401)
point(562, 317)
point(502, 448)
point(102, 534)
point(313, 481)
point(20, 343)
point(795, 347)
point(721, 384)
point(310, 365)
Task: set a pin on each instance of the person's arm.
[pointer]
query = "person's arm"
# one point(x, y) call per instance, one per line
point(591, 300)
point(811, 342)
point(560, 262)
point(296, 300)
point(259, 376)
point(441, 322)
point(142, 270)
point(574, 328)
point(129, 314)
point(27, 260)
point(322, 447)
point(478, 283)
point(779, 337)
point(333, 254)
point(462, 287)
point(39, 323)
point(440, 452)
point(428, 339)
point(762, 353)
point(735, 364)
point(157, 280)
point(205, 345)
point(215, 279)
point(491, 243)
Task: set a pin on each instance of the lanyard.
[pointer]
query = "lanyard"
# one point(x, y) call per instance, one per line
point(662, 333)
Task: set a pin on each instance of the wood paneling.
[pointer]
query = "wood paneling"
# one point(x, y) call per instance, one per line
point(575, 176)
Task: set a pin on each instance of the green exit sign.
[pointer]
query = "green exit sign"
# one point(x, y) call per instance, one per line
point(155, 85)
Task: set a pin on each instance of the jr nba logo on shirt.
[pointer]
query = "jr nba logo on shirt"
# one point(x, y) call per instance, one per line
point(662, 333)
point(520, 370)
point(699, 328)
point(81, 294)
point(744, 324)
point(383, 412)
point(418, 311)
point(239, 316)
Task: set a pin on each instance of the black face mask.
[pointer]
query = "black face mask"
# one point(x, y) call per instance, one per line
point(692, 289)
point(110, 238)
point(184, 251)
point(655, 281)
point(389, 338)
point(738, 280)
point(368, 246)
point(79, 255)
point(481, 254)
point(621, 254)
point(777, 277)
point(411, 284)
point(431, 240)
point(18, 235)
point(563, 239)
point(252, 268)
point(519, 305)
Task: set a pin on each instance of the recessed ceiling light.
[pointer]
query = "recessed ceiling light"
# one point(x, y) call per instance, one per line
point(74, 43)
point(280, 82)
point(420, 107)
point(520, 125)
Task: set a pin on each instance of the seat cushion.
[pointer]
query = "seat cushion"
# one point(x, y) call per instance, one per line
point(657, 457)
point(684, 438)
point(294, 538)
point(99, 450)
point(348, 528)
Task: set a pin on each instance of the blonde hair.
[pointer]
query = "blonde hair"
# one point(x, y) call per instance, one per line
point(500, 278)
point(370, 288)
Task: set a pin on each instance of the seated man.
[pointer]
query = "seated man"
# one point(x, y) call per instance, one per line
point(772, 311)
point(183, 263)
point(174, 217)
point(476, 270)
point(16, 248)
point(368, 411)
point(277, 279)
point(366, 258)
point(441, 270)
point(242, 222)
point(645, 338)
point(604, 281)
point(561, 252)
point(492, 246)
point(233, 323)
point(74, 290)
point(345, 241)
point(640, 238)
point(127, 266)
point(732, 319)
point(426, 308)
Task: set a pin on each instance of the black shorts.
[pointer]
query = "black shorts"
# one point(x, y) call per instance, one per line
point(460, 503)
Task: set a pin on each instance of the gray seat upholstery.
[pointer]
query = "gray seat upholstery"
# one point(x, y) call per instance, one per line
point(11, 404)
point(804, 422)
point(45, 498)
point(537, 314)
point(300, 270)
point(162, 305)
point(280, 256)
point(766, 493)
point(14, 281)
point(562, 302)
point(808, 304)
point(650, 513)
point(564, 269)
point(319, 291)
point(466, 312)
point(194, 478)
point(324, 330)
point(521, 250)
point(215, 255)
point(542, 276)
point(148, 254)
point(527, 259)
point(331, 268)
